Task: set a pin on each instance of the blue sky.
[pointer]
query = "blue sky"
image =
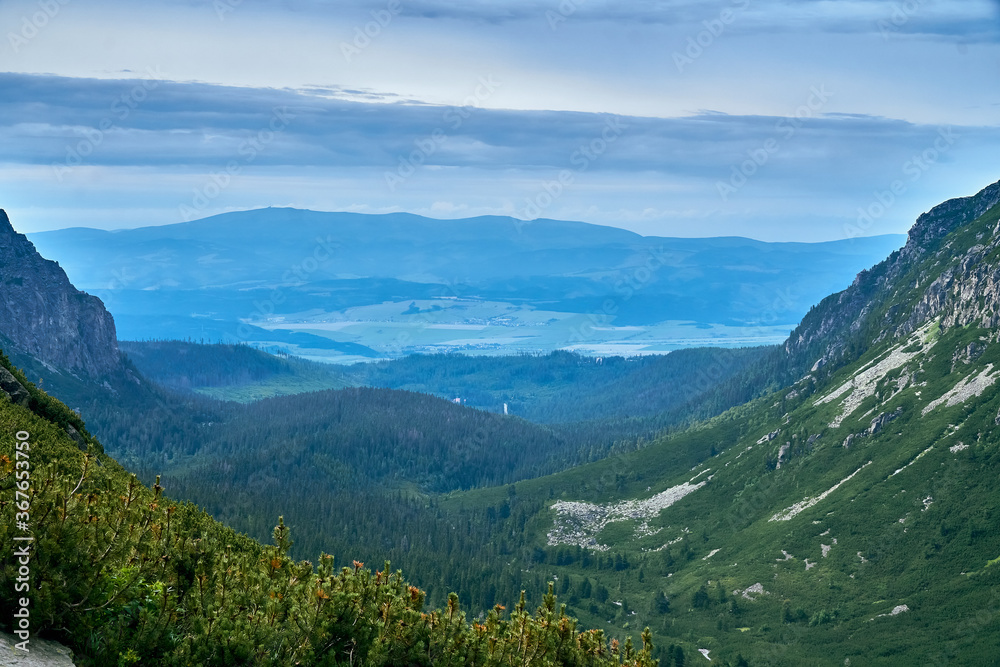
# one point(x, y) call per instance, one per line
point(774, 119)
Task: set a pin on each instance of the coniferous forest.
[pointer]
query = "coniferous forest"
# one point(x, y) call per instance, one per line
point(128, 576)
point(420, 333)
point(795, 511)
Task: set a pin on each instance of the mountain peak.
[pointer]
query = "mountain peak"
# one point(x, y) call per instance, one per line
point(948, 216)
point(939, 272)
point(5, 227)
point(44, 315)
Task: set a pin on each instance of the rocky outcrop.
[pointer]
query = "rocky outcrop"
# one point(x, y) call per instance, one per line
point(882, 420)
point(781, 453)
point(45, 316)
point(41, 653)
point(13, 389)
point(947, 217)
point(967, 294)
point(828, 335)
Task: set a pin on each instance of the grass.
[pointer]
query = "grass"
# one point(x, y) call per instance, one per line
point(828, 613)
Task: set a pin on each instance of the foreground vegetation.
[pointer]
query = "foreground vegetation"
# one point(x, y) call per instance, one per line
point(124, 575)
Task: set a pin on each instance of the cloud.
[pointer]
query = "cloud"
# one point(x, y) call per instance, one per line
point(486, 105)
point(148, 122)
point(972, 20)
point(799, 176)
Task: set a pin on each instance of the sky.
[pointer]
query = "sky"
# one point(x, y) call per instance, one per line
point(801, 120)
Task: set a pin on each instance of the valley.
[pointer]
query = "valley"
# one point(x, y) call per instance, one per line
point(813, 502)
point(499, 334)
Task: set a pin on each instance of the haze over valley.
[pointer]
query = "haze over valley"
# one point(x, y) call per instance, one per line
point(349, 287)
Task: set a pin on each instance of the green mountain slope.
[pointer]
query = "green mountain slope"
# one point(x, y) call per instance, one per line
point(229, 372)
point(849, 519)
point(759, 535)
point(125, 576)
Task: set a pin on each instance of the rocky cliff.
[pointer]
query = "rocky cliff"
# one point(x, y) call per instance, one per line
point(938, 273)
point(45, 316)
point(41, 653)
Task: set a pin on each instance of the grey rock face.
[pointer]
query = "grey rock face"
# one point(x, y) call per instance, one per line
point(41, 653)
point(14, 390)
point(43, 314)
point(956, 296)
point(882, 420)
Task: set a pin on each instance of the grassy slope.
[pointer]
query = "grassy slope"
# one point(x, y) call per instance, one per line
point(934, 558)
point(935, 561)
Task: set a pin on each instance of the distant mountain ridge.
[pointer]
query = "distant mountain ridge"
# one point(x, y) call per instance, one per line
point(231, 276)
point(44, 315)
point(351, 245)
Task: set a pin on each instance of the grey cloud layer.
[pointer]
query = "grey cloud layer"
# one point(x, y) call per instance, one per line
point(971, 20)
point(201, 125)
